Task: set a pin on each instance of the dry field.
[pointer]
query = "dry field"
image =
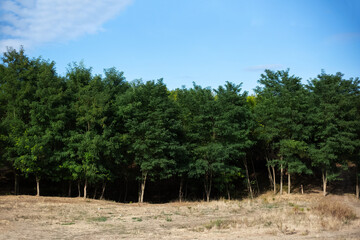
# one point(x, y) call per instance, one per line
point(309, 216)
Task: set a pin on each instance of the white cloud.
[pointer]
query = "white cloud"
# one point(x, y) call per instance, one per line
point(260, 68)
point(34, 22)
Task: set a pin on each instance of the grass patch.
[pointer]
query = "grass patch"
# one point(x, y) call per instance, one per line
point(68, 223)
point(137, 219)
point(270, 206)
point(336, 210)
point(99, 219)
point(219, 224)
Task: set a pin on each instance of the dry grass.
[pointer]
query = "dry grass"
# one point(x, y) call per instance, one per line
point(335, 209)
point(266, 217)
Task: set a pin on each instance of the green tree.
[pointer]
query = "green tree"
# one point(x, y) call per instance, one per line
point(233, 123)
point(281, 112)
point(85, 140)
point(198, 119)
point(40, 145)
point(18, 78)
point(114, 152)
point(152, 124)
point(333, 124)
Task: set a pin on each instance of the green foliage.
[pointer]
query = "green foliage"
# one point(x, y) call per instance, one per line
point(281, 111)
point(95, 129)
point(333, 121)
point(152, 128)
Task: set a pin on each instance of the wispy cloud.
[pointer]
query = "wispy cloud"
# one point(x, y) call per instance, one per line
point(34, 22)
point(260, 68)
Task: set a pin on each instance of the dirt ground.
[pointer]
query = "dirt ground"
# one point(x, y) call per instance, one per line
point(266, 217)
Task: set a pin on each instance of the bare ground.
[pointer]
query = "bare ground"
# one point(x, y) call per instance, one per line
point(266, 217)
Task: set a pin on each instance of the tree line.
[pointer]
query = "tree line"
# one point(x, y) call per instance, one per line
point(90, 129)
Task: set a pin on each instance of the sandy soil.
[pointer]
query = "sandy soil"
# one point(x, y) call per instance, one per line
point(266, 217)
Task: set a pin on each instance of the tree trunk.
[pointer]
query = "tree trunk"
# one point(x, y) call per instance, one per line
point(142, 189)
point(274, 178)
point(16, 183)
point(95, 191)
point(228, 191)
point(37, 186)
point(85, 187)
point(269, 173)
point(281, 178)
point(289, 183)
point(69, 191)
point(302, 189)
point(79, 190)
point(324, 178)
point(248, 179)
point(270, 177)
point(181, 189)
point(103, 191)
point(257, 183)
point(357, 181)
point(207, 185)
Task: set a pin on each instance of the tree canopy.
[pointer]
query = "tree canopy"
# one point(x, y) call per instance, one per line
point(95, 130)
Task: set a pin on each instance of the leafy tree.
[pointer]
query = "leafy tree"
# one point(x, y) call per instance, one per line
point(85, 143)
point(179, 97)
point(216, 132)
point(233, 123)
point(281, 111)
point(40, 144)
point(113, 156)
point(18, 77)
point(198, 117)
point(355, 100)
point(153, 127)
point(333, 123)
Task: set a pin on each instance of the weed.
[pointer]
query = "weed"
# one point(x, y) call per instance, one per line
point(68, 223)
point(99, 219)
point(336, 210)
point(267, 224)
point(169, 219)
point(219, 224)
point(270, 206)
point(165, 214)
point(137, 219)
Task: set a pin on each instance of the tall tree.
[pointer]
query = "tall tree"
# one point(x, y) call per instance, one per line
point(18, 77)
point(281, 111)
point(233, 122)
point(205, 154)
point(85, 143)
point(40, 145)
point(152, 127)
point(333, 124)
point(114, 152)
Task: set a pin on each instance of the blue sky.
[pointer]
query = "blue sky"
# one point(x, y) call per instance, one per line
point(184, 41)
